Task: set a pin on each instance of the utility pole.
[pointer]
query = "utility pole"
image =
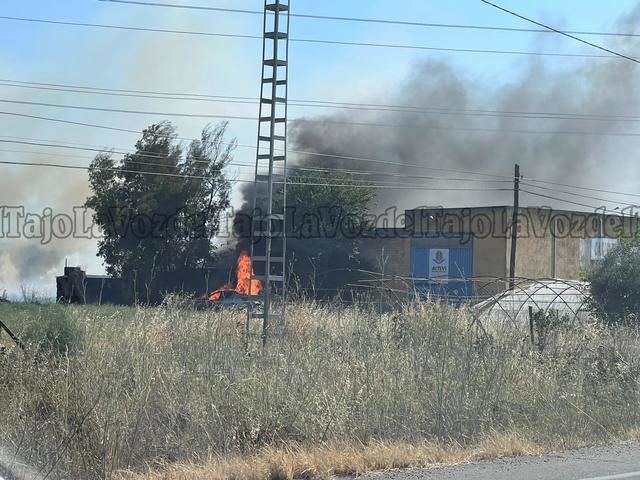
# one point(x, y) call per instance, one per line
point(514, 226)
point(268, 232)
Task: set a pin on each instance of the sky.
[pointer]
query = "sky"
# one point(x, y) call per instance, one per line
point(109, 58)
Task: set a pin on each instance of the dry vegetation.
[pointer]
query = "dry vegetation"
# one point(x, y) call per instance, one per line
point(170, 393)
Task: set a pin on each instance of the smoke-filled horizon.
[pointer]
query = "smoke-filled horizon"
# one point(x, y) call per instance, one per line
point(590, 86)
point(490, 143)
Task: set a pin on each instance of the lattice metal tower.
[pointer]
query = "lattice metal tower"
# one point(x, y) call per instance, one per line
point(268, 239)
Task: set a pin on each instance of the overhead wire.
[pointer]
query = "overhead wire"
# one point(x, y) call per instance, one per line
point(316, 184)
point(299, 152)
point(560, 32)
point(123, 110)
point(550, 197)
point(344, 157)
point(333, 156)
point(328, 170)
point(187, 161)
point(308, 102)
point(325, 121)
point(376, 20)
point(293, 169)
point(565, 192)
point(363, 124)
point(311, 40)
point(320, 103)
point(591, 189)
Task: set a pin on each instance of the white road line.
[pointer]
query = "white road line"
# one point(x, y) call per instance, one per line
point(615, 477)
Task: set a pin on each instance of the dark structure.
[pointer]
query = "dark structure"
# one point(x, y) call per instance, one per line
point(76, 287)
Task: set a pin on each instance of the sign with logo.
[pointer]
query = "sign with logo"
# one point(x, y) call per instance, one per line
point(439, 263)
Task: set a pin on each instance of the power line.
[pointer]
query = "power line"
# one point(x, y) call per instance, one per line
point(308, 40)
point(80, 167)
point(591, 189)
point(69, 122)
point(568, 35)
point(188, 161)
point(592, 207)
point(293, 169)
point(300, 152)
point(310, 184)
point(35, 142)
point(321, 155)
point(122, 110)
point(122, 27)
point(321, 103)
point(327, 122)
point(333, 156)
point(381, 21)
point(565, 192)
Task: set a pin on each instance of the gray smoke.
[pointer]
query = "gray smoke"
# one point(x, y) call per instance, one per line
point(590, 86)
point(102, 58)
point(28, 259)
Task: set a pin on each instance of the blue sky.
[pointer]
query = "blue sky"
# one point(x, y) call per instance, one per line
point(175, 63)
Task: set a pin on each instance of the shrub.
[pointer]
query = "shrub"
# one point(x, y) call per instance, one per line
point(52, 329)
point(615, 284)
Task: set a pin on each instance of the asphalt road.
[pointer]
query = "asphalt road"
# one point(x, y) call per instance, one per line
point(12, 469)
point(602, 463)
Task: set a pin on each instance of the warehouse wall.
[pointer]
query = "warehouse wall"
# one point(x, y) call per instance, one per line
point(491, 241)
point(542, 230)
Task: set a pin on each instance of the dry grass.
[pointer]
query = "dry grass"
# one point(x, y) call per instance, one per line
point(157, 392)
point(338, 459)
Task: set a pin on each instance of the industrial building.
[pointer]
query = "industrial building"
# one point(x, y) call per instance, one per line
point(464, 253)
point(76, 287)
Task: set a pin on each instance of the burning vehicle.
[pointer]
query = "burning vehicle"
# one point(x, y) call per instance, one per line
point(244, 293)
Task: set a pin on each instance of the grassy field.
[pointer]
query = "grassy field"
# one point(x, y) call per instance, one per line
point(104, 392)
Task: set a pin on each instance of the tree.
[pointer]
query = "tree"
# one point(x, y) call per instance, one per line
point(615, 284)
point(328, 218)
point(160, 207)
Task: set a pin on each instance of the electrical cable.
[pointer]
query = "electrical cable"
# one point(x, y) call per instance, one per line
point(313, 40)
point(310, 184)
point(378, 21)
point(591, 189)
point(568, 35)
point(344, 157)
point(327, 122)
point(253, 147)
point(293, 169)
point(565, 192)
point(592, 207)
point(315, 103)
point(188, 161)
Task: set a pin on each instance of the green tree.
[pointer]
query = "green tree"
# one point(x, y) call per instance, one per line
point(615, 284)
point(328, 218)
point(160, 207)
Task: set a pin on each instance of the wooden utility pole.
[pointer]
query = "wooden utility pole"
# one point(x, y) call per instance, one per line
point(514, 226)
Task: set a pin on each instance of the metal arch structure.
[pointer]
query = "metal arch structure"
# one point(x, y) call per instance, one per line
point(568, 297)
point(531, 292)
point(544, 294)
point(268, 232)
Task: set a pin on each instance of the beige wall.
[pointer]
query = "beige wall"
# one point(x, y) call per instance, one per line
point(535, 251)
point(492, 242)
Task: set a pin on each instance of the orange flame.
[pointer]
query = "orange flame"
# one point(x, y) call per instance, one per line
point(244, 284)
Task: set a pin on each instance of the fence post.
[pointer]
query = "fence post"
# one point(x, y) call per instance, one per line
point(11, 335)
point(531, 324)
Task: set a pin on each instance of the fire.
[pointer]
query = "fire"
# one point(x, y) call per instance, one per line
point(244, 284)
